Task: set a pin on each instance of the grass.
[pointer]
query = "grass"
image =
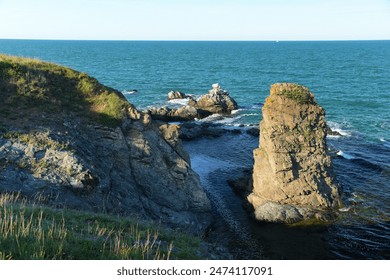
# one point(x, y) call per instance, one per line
point(32, 85)
point(298, 93)
point(32, 231)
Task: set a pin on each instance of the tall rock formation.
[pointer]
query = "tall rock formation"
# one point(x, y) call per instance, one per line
point(292, 177)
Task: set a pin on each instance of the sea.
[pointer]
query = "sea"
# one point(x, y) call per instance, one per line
point(350, 80)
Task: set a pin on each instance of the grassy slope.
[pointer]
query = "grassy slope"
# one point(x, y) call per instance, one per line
point(29, 85)
point(29, 88)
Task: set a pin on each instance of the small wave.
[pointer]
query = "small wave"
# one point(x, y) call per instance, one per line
point(345, 155)
point(333, 136)
point(183, 101)
point(337, 127)
point(250, 114)
point(211, 118)
point(385, 143)
point(345, 209)
point(129, 92)
point(234, 112)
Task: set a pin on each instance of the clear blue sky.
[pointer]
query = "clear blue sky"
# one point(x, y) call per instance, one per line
point(195, 19)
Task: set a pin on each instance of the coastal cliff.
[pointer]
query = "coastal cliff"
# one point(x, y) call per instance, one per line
point(293, 177)
point(71, 142)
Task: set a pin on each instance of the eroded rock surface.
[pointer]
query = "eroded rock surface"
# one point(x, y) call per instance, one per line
point(74, 143)
point(293, 177)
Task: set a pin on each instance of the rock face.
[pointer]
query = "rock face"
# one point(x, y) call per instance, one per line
point(74, 143)
point(292, 177)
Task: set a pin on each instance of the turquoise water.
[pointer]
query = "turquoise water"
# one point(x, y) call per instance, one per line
point(349, 79)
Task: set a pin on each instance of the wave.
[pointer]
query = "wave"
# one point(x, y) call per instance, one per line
point(345, 155)
point(211, 118)
point(337, 128)
point(183, 101)
point(234, 112)
point(129, 92)
point(385, 143)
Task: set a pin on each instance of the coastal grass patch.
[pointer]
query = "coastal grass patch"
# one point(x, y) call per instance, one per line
point(298, 93)
point(32, 231)
point(33, 86)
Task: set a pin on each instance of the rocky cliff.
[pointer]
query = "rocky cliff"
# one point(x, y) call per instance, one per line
point(71, 142)
point(292, 177)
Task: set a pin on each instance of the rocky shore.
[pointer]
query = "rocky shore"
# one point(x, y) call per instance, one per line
point(74, 143)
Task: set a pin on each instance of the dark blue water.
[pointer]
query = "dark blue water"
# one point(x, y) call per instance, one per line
point(349, 79)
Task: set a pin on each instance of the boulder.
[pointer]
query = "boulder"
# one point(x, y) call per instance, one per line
point(293, 178)
point(216, 100)
point(176, 95)
point(183, 113)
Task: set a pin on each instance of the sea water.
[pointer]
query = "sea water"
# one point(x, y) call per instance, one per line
point(349, 79)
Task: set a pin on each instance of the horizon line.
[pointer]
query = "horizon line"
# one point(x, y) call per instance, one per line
point(197, 40)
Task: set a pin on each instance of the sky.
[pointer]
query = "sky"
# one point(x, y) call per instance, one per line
point(195, 19)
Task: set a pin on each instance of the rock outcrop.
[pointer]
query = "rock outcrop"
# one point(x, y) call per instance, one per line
point(215, 101)
point(74, 143)
point(176, 95)
point(184, 113)
point(292, 177)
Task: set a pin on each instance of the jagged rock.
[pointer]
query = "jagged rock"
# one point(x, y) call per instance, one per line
point(81, 145)
point(176, 95)
point(293, 177)
point(184, 113)
point(216, 100)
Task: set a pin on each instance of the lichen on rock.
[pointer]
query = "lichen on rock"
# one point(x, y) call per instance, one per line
point(293, 177)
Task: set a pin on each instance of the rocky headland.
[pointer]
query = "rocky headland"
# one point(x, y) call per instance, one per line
point(293, 177)
point(71, 142)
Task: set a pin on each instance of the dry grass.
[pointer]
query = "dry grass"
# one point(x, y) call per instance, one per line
point(29, 231)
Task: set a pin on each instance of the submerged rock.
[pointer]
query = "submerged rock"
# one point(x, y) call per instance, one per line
point(293, 177)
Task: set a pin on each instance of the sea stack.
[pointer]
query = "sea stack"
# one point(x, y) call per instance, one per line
point(293, 178)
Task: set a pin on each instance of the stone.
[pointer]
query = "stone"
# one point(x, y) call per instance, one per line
point(216, 100)
point(293, 178)
point(176, 95)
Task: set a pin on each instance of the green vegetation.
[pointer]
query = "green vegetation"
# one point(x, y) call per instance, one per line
point(30, 231)
point(31, 87)
point(298, 93)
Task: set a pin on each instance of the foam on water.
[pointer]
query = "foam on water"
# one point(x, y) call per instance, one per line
point(338, 128)
point(345, 155)
point(182, 102)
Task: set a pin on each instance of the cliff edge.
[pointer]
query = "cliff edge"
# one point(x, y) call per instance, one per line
point(293, 177)
point(71, 142)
